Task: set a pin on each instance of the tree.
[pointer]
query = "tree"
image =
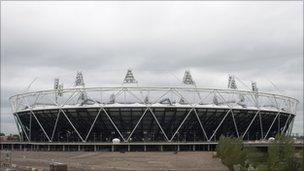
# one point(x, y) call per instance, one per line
point(281, 154)
point(2, 134)
point(230, 150)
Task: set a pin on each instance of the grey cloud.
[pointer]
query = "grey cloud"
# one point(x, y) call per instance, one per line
point(257, 42)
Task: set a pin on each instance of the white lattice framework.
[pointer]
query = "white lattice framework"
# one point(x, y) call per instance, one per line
point(148, 97)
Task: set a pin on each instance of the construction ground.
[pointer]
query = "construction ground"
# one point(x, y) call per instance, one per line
point(27, 160)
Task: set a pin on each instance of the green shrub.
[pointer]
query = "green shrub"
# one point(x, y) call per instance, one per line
point(256, 157)
point(230, 150)
point(262, 167)
point(281, 154)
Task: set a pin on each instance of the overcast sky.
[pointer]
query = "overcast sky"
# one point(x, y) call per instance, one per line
point(256, 41)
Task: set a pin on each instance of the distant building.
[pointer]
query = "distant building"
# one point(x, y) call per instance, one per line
point(9, 138)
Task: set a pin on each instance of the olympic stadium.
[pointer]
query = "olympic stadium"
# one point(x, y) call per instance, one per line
point(148, 114)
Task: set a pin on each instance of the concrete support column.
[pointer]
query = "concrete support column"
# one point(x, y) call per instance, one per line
point(161, 148)
point(112, 148)
point(12, 147)
point(63, 147)
point(145, 148)
point(178, 148)
point(78, 147)
point(129, 148)
point(20, 147)
point(193, 147)
point(95, 148)
point(208, 147)
point(48, 148)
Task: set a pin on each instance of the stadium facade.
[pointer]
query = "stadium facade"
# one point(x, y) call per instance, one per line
point(134, 113)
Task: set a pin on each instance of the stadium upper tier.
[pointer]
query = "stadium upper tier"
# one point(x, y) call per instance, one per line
point(132, 95)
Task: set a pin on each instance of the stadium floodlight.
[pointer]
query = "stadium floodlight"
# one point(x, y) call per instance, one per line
point(56, 83)
point(59, 88)
point(187, 79)
point(79, 79)
point(129, 78)
point(254, 86)
point(79, 82)
point(231, 82)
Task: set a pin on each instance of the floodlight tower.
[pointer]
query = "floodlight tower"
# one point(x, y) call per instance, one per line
point(129, 78)
point(254, 86)
point(231, 82)
point(56, 86)
point(187, 79)
point(79, 82)
point(255, 89)
point(56, 83)
point(129, 81)
point(189, 82)
point(59, 89)
point(232, 85)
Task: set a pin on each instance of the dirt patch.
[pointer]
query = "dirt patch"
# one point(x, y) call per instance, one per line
point(119, 161)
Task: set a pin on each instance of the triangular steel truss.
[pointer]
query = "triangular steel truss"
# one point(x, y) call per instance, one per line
point(193, 110)
point(148, 110)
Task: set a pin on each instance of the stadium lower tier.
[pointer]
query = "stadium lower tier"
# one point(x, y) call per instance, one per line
point(155, 124)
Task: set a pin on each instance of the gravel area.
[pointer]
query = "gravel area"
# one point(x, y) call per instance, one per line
point(119, 161)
